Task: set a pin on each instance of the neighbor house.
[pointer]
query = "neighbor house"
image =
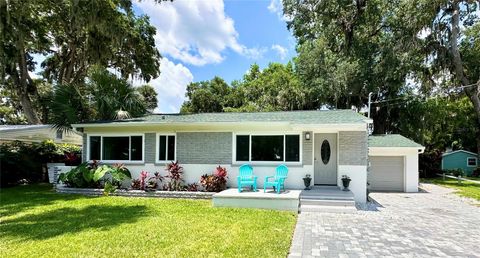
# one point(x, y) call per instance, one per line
point(324, 144)
point(37, 133)
point(460, 159)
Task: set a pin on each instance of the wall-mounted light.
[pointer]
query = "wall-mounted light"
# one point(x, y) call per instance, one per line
point(307, 136)
point(370, 128)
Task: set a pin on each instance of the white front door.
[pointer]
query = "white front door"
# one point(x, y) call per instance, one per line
point(325, 159)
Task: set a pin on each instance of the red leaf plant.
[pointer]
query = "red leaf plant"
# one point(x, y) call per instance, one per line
point(143, 176)
point(215, 182)
point(175, 174)
point(154, 181)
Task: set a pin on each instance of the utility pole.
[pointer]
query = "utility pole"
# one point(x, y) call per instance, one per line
point(369, 103)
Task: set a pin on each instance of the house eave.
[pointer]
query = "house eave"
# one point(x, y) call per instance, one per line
point(152, 124)
point(452, 152)
point(420, 149)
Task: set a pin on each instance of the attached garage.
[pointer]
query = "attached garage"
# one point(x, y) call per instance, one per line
point(393, 163)
point(387, 173)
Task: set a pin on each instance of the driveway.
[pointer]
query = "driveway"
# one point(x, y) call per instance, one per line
point(428, 224)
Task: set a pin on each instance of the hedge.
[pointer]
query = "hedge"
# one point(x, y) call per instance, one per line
point(22, 162)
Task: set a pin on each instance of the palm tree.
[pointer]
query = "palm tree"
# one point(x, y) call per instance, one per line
point(103, 97)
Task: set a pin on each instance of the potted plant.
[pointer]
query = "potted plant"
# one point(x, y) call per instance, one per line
point(346, 182)
point(307, 180)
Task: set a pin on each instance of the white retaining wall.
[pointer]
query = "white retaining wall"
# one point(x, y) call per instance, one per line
point(193, 172)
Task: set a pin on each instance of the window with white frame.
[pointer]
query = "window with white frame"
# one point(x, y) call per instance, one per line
point(268, 148)
point(472, 162)
point(116, 148)
point(165, 148)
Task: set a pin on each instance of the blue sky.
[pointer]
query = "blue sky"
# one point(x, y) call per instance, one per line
point(258, 28)
point(201, 39)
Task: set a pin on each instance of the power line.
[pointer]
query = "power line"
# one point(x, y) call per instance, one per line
point(388, 100)
point(409, 96)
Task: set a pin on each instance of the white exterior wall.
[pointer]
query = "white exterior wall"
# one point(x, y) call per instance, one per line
point(411, 172)
point(193, 172)
point(410, 166)
point(358, 185)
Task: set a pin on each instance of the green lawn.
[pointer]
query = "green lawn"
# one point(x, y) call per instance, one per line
point(473, 178)
point(37, 222)
point(467, 189)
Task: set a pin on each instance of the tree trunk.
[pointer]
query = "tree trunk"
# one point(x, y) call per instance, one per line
point(22, 87)
point(27, 107)
point(473, 94)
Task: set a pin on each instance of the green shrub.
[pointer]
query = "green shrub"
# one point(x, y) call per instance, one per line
point(476, 172)
point(93, 175)
point(81, 176)
point(454, 172)
point(21, 161)
point(114, 174)
point(429, 162)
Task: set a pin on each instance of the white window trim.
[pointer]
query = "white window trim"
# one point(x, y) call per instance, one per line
point(116, 135)
point(250, 134)
point(157, 148)
point(476, 162)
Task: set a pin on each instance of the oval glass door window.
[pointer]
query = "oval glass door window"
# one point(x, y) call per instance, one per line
point(325, 152)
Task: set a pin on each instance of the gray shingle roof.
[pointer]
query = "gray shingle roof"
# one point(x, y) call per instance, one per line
point(296, 117)
point(5, 128)
point(391, 140)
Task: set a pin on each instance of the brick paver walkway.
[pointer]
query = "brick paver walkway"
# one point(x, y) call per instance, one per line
point(433, 224)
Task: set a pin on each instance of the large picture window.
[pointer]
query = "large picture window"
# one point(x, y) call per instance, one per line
point(267, 148)
point(273, 148)
point(243, 147)
point(166, 148)
point(116, 148)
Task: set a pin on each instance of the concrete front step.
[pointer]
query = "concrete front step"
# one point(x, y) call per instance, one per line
point(327, 209)
point(328, 202)
point(326, 197)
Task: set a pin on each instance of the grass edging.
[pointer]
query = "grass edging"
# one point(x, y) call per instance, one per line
point(465, 189)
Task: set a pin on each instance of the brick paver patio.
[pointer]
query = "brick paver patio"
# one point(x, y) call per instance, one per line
point(433, 224)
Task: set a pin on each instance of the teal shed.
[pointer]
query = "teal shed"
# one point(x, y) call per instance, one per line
point(460, 159)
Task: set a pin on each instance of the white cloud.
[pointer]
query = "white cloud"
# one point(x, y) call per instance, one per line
point(171, 86)
point(194, 32)
point(282, 52)
point(276, 7)
point(255, 53)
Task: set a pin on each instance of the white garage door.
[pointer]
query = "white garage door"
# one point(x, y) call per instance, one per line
point(386, 173)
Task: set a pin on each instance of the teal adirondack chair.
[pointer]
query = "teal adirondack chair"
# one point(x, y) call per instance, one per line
point(246, 177)
point(281, 173)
